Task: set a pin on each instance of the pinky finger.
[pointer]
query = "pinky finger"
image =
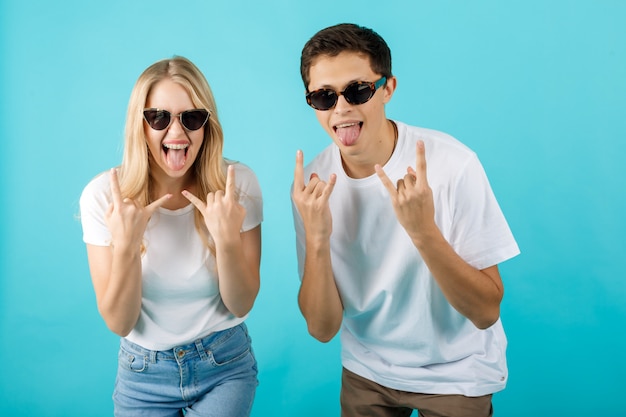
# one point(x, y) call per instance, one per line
point(330, 186)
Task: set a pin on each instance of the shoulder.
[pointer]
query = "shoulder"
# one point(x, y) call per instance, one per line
point(101, 180)
point(442, 148)
point(98, 188)
point(435, 139)
point(250, 195)
point(245, 178)
point(323, 161)
point(240, 168)
point(94, 202)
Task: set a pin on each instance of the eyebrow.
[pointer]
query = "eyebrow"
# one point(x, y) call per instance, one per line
point(330, 87)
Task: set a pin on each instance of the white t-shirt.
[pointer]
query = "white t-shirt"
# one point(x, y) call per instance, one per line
point(398, 328)
point(181, 301)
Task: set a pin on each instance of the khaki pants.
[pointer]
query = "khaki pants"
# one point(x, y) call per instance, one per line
point(361, 397)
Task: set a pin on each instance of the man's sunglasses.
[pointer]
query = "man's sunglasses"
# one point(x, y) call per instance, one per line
point(358, 92)
point(190, 119)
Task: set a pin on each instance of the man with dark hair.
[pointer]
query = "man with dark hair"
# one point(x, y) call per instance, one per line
point(399, 237)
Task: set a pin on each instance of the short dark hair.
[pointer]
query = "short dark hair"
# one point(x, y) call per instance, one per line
point(346, 37)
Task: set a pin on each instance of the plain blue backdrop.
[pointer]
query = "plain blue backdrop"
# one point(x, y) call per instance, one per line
point(537, 88)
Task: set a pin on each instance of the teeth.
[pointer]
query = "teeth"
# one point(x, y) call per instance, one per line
point(345, 125)
point(175, 145)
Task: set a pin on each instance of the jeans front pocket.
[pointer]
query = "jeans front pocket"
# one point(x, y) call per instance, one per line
point(131, 361)
point(233, 347)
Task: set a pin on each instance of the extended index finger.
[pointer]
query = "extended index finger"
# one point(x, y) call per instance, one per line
point(298, 175)
point(199, 204)
point(420, 164)
point(230, 182)
point(115, 188)
point(385, 180)
point(158, 203)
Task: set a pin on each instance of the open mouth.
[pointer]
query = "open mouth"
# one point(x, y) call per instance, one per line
point(175, 155)
point(348, 132)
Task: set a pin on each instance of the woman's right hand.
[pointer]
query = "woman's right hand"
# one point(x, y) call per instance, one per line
point(126, 219)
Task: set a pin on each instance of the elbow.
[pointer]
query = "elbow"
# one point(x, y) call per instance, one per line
point(119, 328)
point(241, 309)
point(323, 330)
point(323, 335)
point(243, 303)
point(490, 313)
point(323, 322)
point(487, 320)
point(484, 324)
point(240, 304)
point(240, 312)
point(122, 332)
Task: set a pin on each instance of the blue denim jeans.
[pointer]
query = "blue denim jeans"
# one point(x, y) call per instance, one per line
point(215, 376)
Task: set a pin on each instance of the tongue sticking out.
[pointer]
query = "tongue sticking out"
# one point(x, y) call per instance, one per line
point(348, 134)
point(175, 158)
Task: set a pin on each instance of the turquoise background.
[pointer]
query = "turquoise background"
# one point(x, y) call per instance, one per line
point(537, 88)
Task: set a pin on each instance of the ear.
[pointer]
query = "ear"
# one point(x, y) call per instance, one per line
point(389, 88)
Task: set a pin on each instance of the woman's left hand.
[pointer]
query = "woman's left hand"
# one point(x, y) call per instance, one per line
point(223, 215)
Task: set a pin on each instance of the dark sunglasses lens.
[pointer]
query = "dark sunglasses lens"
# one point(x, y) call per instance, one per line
point(157, 119)
point(358, 93)
point(194, 119)
point(323, 99)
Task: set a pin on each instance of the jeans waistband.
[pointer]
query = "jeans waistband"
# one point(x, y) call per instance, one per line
point(197, 348)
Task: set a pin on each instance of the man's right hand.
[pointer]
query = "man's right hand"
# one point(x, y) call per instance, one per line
point(311, 200)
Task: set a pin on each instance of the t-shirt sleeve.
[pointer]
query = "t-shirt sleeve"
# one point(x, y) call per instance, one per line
point(250, 196)
point(480, 233)
point(94, 202)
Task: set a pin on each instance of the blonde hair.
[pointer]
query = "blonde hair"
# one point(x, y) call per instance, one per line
point(208, 168)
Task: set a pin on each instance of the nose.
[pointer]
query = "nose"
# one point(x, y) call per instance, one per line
point(176, 127)
point(342, 104)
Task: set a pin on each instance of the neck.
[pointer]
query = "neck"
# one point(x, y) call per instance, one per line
point(381, 152)
point(174, 186)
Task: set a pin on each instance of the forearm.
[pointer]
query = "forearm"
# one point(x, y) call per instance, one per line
point(238, 276)
point(319, 299)
point(474, 293)
point(120, 303)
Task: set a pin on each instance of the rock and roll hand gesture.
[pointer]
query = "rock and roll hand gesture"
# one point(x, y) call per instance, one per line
point(223, 215)
point(127, 219)
point(412, 197)
point(311, 201)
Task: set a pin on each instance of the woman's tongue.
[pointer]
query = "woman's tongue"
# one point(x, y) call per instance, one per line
point(348, 134)
point(175, 158)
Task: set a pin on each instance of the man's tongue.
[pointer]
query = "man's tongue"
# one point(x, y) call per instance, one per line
point(175, 159)
point(348, 135)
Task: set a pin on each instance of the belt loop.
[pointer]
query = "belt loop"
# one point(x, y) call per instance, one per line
point(200, 348)
point(153, 356)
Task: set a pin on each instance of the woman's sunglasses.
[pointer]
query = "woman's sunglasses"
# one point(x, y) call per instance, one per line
point(190, 119)
point(358, 92)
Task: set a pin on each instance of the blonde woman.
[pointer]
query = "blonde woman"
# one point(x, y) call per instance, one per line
point(173, 241)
